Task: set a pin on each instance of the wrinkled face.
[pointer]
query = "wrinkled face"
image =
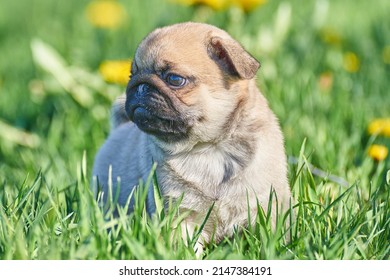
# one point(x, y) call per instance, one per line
point(174, 77)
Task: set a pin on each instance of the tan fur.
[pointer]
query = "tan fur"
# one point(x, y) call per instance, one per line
point(233, 152)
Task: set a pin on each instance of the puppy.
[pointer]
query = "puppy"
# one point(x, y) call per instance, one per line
point(192, 107)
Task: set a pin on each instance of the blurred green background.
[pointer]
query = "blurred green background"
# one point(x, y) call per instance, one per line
point(325, 71)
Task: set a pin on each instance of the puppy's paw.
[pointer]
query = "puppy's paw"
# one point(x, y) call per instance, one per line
point(199, 249)
point(118, 112)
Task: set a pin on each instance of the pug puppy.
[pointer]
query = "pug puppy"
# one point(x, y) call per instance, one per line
point(192, 107)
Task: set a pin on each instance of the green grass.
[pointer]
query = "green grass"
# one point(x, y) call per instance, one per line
point(47, 210)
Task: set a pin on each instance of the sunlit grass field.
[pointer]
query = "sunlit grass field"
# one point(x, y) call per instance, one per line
point(325, 71)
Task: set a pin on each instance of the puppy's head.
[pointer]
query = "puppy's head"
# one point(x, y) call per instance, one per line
point(186, 80)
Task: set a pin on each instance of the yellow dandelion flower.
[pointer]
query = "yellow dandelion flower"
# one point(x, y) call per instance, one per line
point(325, 81)
point(351, 62)
point(115, 71)
point(378, 152)
point(215, 4)
point(249, 5)
point(380, 127)
point(105, 14)
point(386, 54)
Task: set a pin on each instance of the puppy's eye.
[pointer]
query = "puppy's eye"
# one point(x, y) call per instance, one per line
point(175, 80)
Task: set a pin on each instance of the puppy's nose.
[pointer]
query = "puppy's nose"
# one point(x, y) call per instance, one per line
point(142, 89)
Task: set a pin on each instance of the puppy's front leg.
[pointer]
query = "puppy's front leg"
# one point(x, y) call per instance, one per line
point(188, 230)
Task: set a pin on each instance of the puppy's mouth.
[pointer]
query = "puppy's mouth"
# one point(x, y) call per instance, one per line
point(148, 120)
point(153, 111)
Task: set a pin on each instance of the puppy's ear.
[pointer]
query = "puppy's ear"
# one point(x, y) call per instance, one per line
point(232, 58)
